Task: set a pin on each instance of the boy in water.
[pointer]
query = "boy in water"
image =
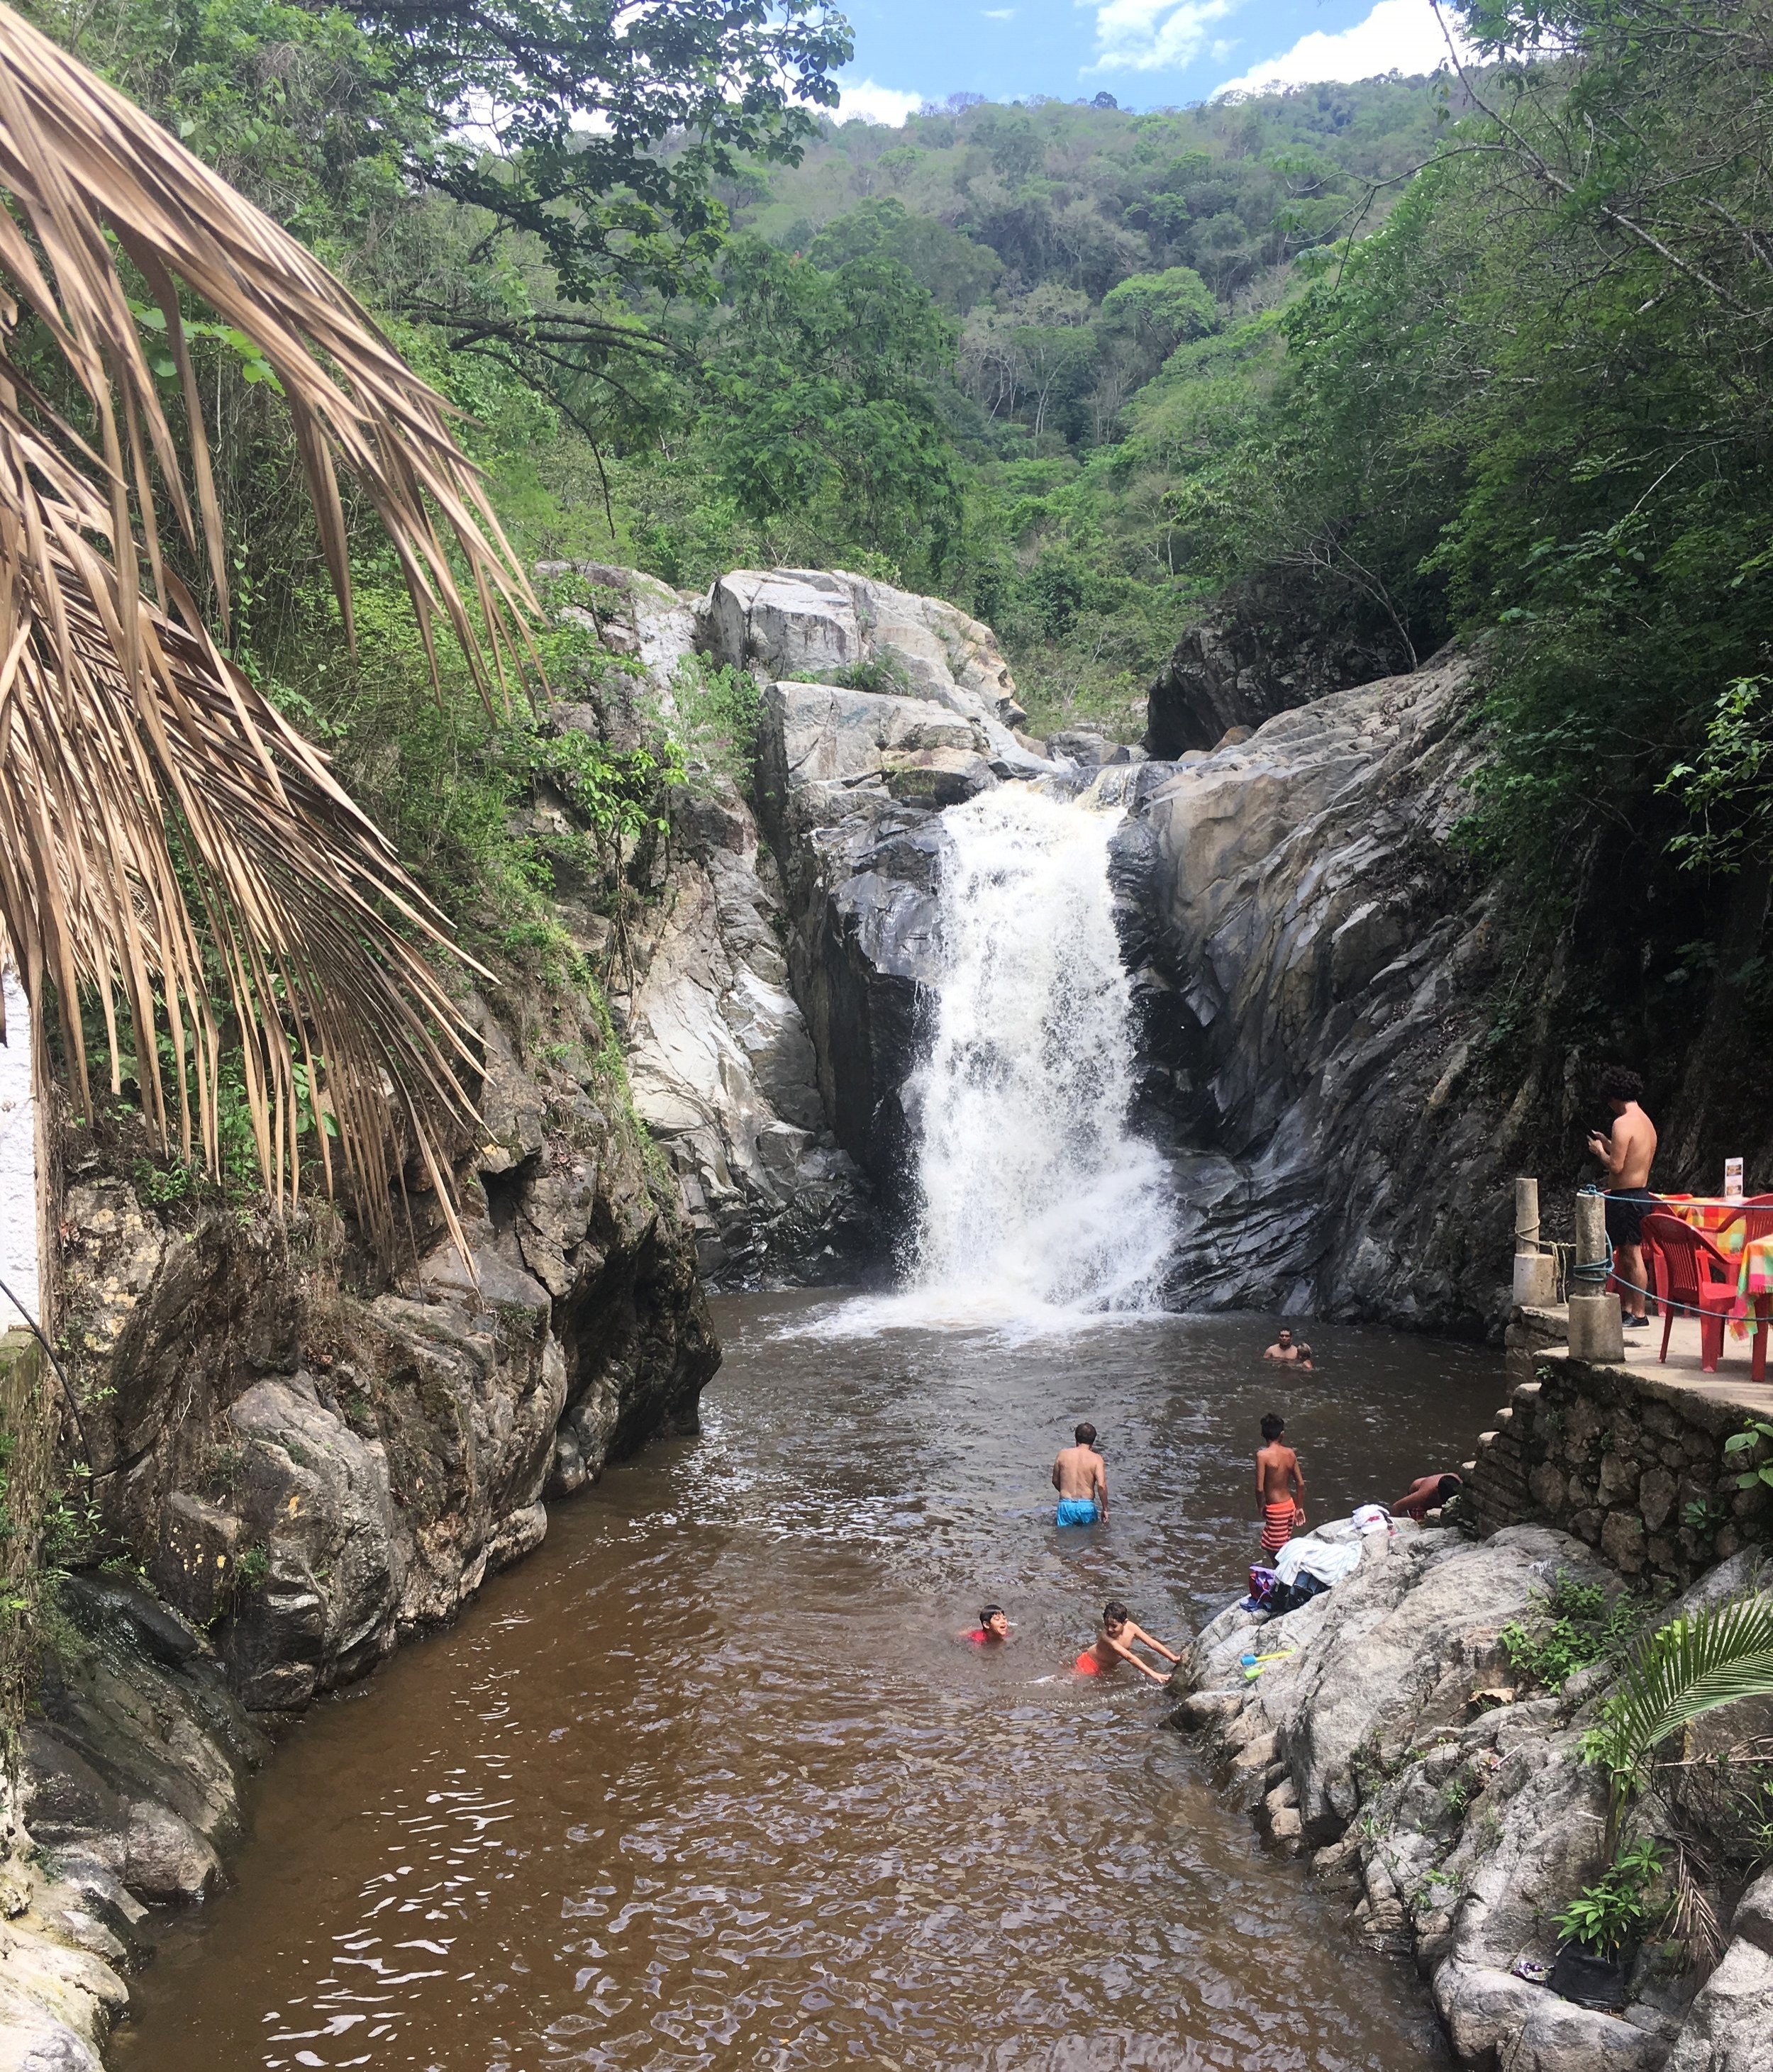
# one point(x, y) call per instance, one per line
point(1081, 1480)
point(993, 1630)
point(1114, 1645)
point(1280, 1487)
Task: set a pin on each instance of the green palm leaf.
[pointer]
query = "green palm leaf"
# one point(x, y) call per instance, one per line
point(1714, 1657)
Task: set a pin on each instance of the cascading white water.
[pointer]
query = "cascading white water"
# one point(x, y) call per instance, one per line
point(1034, 1195)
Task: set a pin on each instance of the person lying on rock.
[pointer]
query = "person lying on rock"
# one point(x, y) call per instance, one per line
point(993, 1630)
point(1427, 1493)
point(1283, 1349)
point(1081, 1480)
point(1115, 1644)
point(1280, 1487)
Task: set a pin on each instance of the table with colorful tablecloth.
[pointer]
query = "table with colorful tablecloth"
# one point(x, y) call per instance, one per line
point(1724, 1222)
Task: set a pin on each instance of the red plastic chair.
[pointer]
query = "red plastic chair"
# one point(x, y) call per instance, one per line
point(1687, 1267)
point(1756, 1217)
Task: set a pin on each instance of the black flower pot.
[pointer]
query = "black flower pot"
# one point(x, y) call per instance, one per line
point(1589, 1980)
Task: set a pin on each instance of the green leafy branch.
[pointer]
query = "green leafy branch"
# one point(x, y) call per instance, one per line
point(1690, 1667)
point(1757, 1433)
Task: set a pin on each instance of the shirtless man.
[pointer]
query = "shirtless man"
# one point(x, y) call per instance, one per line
point(1114, 1645)
point(1427, 1493)
point(1283, 1349)
point(1280, 1488)
point(1628, 1152)
point(1082, 1481)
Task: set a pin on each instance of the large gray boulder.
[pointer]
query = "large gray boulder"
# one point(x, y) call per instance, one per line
point(1729, 2028)
point(724, 1072)
point(814, 623)
point(1312, 964)
point(1395, 1652)
point(1396, 1740)
point(820, 734)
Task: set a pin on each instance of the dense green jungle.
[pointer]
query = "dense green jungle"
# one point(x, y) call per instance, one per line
point(1483, 356)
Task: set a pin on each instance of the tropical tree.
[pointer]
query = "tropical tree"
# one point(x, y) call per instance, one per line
point(169, 846)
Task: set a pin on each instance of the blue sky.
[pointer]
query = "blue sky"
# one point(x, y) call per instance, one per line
point(1146, 53)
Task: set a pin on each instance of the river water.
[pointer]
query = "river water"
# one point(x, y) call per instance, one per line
point(712, 1782)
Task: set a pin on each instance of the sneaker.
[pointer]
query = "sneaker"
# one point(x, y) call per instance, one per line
point(1637, 1323)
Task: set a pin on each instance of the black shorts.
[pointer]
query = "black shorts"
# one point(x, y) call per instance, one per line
point(1626, 1212)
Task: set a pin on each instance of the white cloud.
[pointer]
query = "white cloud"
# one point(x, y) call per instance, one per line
point(998, 14)
point(1398, 35)
point(1154, 35)
point(864, 101)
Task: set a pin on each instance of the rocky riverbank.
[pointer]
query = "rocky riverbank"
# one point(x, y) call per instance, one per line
point(311, 1464)
point(1395, 1743)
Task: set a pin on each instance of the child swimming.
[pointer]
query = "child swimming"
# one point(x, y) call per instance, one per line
point(1114, 1645)
point(993, 1630)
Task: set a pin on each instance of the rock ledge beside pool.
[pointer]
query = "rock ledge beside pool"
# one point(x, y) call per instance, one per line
point(1395, 1746)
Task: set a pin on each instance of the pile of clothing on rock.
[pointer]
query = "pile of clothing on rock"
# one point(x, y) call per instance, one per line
point(1315, 1562)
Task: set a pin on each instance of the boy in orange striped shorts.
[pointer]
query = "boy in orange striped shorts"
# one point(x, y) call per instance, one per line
point(1280, 1488)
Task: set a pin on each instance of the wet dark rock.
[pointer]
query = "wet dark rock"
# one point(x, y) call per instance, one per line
point(858, 867)
point(134, 1766)
point(1311, 961)
point(1263, 655)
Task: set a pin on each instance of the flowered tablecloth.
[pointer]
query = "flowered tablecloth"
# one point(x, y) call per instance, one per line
point(1708, 1213)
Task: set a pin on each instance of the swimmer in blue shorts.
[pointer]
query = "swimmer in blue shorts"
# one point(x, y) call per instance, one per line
point(1082, 1481)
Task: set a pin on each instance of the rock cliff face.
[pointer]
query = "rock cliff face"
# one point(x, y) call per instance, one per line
point(719, 1053)
point(1263, 654)
point(723, 1068)
point(880, 709)
point(309, 1471)
point(1459, 1825)
point(1311, 963)
point(312, 1472)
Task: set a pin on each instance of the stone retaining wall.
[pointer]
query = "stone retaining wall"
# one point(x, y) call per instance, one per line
point(1621, 1461)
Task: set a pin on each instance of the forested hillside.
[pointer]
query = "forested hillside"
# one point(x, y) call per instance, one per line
point(1072, 253)
point(1483, 355)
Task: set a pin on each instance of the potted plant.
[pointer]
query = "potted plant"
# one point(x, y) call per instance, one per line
point(1601, 1925)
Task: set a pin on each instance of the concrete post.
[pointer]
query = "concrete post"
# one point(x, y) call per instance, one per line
point(1534, 1271)
point(1597, 1329)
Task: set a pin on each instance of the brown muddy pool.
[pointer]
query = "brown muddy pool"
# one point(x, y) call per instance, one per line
point(710, 1781)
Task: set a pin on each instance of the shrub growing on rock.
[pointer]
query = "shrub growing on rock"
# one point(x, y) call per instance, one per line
point(1573, 1626)
point(1607, 1916)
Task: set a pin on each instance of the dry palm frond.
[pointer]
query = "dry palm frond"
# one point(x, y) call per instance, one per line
point(152, 804)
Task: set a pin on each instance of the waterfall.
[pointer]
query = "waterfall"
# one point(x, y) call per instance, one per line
point(1033, 1195)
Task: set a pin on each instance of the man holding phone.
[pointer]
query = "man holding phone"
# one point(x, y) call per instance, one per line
point(1628, 1152)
